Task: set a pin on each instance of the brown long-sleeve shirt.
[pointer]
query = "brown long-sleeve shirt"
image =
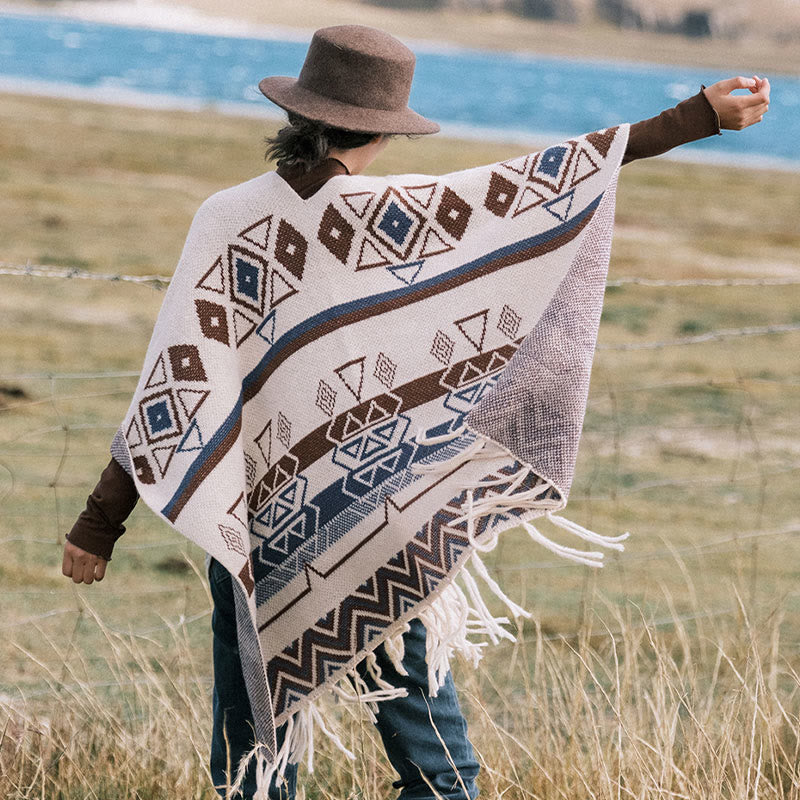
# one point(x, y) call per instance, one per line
point(100, 524)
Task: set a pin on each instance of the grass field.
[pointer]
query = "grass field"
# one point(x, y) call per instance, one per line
point(670, 673)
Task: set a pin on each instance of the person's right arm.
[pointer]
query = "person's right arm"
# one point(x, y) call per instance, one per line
point(90, 542)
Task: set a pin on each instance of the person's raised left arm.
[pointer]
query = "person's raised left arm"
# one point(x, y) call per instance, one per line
point(708, 112)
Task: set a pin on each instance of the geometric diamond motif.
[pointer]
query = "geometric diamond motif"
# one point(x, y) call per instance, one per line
point(551, 166)
point(160, 416)
point(143, 470)
point(248, 278)
point(232, 539)
point(284, 430)
point(384, 370)
point(500, 195)
point(290, 248)
point(326, 398)
point(186, 363)
point(213, 320)
point(453, 213)
point(442, 347)
point(509, 322)
point(336, 233)
point(396, 224)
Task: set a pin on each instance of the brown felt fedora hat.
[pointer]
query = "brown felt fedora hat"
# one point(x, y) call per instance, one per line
point(353, 77)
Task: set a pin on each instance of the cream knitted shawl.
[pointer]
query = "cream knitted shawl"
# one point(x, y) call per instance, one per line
point(347, 398)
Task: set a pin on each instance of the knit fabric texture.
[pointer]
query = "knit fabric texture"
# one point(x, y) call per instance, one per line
point(345, 396)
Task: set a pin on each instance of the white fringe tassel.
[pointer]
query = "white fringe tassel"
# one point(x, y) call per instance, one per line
point(451, 619)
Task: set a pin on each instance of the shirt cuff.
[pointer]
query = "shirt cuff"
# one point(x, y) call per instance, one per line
point(100, 524)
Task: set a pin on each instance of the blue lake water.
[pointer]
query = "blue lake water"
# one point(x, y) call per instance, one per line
point(465, 90)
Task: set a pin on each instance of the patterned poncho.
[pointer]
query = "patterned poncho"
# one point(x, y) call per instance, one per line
point(347, 398)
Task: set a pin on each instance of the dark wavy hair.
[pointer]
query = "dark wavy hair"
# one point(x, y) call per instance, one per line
point(306, 142)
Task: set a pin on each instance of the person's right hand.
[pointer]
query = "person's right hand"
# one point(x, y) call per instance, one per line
point(737, 111)
point(81, 566)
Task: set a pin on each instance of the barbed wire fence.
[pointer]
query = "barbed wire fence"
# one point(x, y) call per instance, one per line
point(766, 450)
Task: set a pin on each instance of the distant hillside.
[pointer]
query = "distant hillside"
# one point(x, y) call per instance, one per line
point(778, 20)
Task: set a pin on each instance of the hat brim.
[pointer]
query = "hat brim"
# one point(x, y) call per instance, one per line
point(290, 96)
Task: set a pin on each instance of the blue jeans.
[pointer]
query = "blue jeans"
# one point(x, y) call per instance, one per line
point(404, 725)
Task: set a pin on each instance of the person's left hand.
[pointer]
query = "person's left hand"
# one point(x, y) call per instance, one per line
point(737, 111)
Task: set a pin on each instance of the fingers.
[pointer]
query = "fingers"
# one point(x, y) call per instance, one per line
point(81, 566)
point(732, 84)
point(66, 564)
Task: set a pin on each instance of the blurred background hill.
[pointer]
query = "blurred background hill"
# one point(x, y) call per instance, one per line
point(777, 19)
point(746, 35)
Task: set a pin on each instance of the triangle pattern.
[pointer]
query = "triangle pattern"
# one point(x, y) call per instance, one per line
point(264, 442)
point(370, 256)
point(158, 376)
point(163, 455)
point(407, 273)
point(352, 449)
point(258, 233)
point(315, 579)
point(279, 289)
point(601, 140)
point(529, 199)
point(584, 167)
point(214, 279)
point(372, 446)
point(351, 425)
point(192, 440)
point(376, 413)
point(469, 373)
point(371, 631)
point(191, 400)
point(358, 202)
point(239, 509)
point(386, 431)
point(473, 328)
point(560, 207)
point(434, 245)
point(280, 512)
point(422, 194)
point(497, 362)
point(351, 375)
point(134, 434)
point(518, 165)
point(266, 330)
point(242, 326)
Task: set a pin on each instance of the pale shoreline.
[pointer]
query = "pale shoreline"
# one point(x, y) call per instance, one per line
point(542, 40)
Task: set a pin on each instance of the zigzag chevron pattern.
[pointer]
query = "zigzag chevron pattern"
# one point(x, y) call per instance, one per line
point(413, 574)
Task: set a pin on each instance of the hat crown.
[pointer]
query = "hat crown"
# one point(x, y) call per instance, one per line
point(359, 66)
